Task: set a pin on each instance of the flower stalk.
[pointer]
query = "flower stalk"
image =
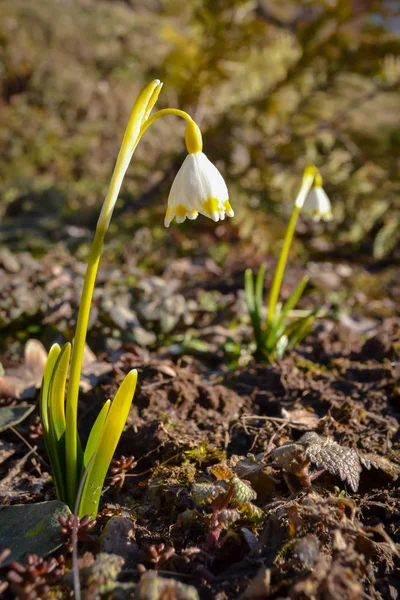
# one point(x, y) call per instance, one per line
point(60, 422)
point(309, 176)
point(274, 336)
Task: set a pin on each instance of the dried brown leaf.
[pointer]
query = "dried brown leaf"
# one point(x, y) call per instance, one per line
point(22, 382)
point(380, 462)
point(93, 371)
point(338, 460)
point(222, 472)
point(301, 418)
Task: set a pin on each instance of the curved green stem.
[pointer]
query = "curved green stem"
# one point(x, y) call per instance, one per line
point(138, 123)
point(310, 173)
point(71, 431)
point(194, 142)
point(141, 109)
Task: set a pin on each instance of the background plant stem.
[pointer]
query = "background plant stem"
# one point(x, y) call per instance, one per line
point(306, 185)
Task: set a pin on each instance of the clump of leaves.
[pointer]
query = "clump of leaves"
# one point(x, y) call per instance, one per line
point(119, 469)
point(83, 527)
point(35, 578)
point(157, 556)
point(230, 499)
point(273, 338)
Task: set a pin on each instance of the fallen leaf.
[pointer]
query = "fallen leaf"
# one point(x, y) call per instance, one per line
point(93, 370)
point(30, 528)
point(6, 450)
point(12, 415)
point(24, 381)
point(301, 418)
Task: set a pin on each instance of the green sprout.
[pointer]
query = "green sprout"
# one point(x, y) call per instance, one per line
point(280, 330)
point(197, 189)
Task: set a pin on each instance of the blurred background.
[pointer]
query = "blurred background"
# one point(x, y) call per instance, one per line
point(274, 85)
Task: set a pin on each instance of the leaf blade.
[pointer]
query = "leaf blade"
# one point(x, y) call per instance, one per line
point(44, 390)
point(57, 392)
point(95, 433)
point(109, 439)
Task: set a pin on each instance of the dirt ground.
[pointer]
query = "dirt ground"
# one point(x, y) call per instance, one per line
point(210, 506)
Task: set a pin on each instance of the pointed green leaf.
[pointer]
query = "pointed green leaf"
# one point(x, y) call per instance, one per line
point(243, 491)
point(249, 290)
point(298, 330)
point(112, 430)
point(254, 303)
point(44, 392)
point(278, 326)
point(57, 392)
point(55, 442)
point(49, 436)
point(258, 294)
point(95, 433)
point(295, 296)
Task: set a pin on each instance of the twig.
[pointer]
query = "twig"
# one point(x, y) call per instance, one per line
point(33, 449)
point(275, 419)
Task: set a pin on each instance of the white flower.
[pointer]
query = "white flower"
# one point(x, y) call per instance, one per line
point(317, 205)
point(198, 188)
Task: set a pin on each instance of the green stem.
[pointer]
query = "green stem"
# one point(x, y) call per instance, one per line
point(143, 105)
point(138, 123)
point(194, 142)
point(71, 432)
point(306, 184)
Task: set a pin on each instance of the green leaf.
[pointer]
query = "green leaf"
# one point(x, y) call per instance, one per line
point(55, 442)
point(204, 493)
point(44, 392)
point(12, 415)
point(277, 328)
point(254, 302)
point(249, 290)
point(300, 329)
point(294, 297)
point(251, 512)
point(228, 516)
point(243, 491)
point(57, 392)
point(95, 433)
point(258, 293)
point(111, 432)
point(31, 528)
point(48, 431)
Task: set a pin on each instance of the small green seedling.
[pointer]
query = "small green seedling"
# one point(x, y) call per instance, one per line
point(230, 500)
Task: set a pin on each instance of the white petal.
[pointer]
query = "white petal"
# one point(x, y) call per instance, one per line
point(317, 205)
point(198, 188)
point(213, 183)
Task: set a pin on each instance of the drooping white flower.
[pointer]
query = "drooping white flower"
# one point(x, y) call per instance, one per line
point(198, 188)
point(317, 205)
